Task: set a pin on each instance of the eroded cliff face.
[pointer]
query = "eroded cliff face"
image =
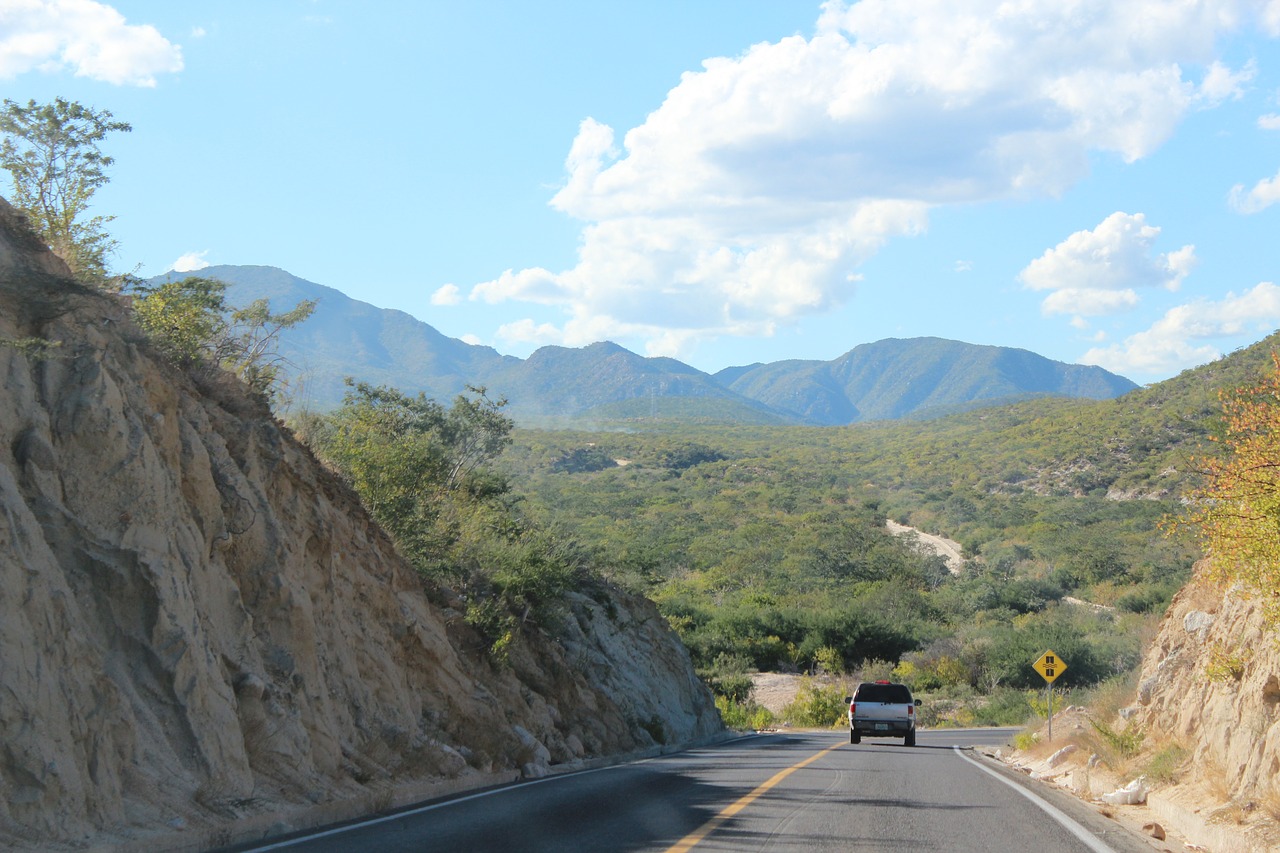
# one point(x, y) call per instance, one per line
point(198, 623)
point(1211, 682)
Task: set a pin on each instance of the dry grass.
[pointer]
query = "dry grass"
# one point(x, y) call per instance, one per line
point(1216, 782)
point(1117, 750)
point(1106, 700)
point(1232, 813)
point(1270, 802)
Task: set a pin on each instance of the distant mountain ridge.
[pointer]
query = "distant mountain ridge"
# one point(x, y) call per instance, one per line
point(915, 377)
point(894, 378)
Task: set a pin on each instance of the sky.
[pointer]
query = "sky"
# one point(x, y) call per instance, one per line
point(720, 181)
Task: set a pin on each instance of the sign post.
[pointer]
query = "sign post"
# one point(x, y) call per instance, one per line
point(1050, 666)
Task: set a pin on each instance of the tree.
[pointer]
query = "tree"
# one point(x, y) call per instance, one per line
point(1237, 511)
point(191, 323)
point(183, 318)
point(249, 347)
point(51, 152)
point(416, 464)
point(422, 470)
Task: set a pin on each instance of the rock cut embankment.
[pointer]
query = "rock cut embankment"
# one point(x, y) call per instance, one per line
point(199, 624)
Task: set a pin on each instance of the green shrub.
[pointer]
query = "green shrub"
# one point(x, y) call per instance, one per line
point(816, 706)
point(743, 715)
point(1225, 664)
point(1004, 707)
point(1166, 765)
point(1127, 743)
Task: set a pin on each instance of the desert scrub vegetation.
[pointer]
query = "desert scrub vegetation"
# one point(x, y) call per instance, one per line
point(817, 706)
point(743, 715)
point(425, 472)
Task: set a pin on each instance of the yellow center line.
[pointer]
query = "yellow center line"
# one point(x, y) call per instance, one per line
point(692, 839)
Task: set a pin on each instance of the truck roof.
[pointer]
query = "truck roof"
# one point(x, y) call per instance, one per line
point(889, 694)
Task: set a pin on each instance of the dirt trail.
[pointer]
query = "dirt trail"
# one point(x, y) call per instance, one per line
point(949, 549)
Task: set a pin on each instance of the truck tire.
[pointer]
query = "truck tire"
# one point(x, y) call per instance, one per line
point(910, 739)
point(854, 737)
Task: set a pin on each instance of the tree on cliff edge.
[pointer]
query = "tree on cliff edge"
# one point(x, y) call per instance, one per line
point(1238, 509)
point(51, 152)
point(191, 323)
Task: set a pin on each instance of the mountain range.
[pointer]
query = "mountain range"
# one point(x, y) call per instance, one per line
point(889, 379)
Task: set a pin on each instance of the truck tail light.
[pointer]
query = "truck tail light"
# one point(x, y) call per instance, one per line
point(911, 710)
point(853, 708)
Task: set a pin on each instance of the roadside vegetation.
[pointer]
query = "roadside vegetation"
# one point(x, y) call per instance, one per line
point(425, 472)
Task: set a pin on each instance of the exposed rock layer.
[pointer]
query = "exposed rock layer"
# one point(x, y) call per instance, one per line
point(198, 622)
point(1211, 682)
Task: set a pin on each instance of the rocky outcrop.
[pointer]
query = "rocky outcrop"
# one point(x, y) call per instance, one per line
point(1202, 732)
point(1211, 682)
point(199, 623)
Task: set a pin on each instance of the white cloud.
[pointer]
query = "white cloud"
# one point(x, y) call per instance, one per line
point(88, 38)
point(1082, 302)
point(446, 294)
point(1265, 193)
point(1095, 273)
point(1222, 84)
point(198, 32)
point(1173, 342)
point(531, 285)
point(1270, 121)
point(963, 266)
point(474, 340)
point(190, 262)
point(528, 332)
point(1271, 17)
point(762, 182)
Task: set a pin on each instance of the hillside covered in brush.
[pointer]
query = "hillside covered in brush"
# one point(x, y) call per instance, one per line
point(767, 546)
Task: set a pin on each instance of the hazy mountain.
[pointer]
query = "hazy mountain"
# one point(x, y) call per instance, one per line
point(606, 380)
point(347, 337)
point(915, 377)
point(921, 377)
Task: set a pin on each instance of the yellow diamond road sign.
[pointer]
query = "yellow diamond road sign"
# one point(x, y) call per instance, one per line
point(1050, 666)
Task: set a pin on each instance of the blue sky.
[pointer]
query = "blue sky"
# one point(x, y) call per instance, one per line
point(721, 181)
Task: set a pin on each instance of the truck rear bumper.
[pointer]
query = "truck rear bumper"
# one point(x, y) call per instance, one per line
point(882, 728)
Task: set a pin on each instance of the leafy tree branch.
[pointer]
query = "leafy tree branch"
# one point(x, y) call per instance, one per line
point(191, 323)
point(52, 153)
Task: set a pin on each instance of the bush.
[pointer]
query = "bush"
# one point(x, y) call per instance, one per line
point(1126, 743)
point(817, 707)
point(1004, 707)
point(1166, 765)
point(877, 670)
point(743, 715)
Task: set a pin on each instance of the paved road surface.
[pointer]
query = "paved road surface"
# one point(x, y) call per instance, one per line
point(803, 792)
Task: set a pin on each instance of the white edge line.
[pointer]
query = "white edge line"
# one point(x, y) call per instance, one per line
point(361, 824)
point(1092, 841)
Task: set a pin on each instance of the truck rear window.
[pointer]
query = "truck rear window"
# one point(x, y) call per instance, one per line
point(890, 694)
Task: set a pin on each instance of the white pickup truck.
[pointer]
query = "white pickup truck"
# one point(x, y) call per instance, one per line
point(882, 709)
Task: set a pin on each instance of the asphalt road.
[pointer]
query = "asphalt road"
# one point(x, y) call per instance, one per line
point(798, 791)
